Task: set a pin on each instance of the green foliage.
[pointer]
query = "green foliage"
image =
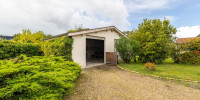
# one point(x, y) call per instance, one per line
point(129, 33)
point(78, 28)
point(192, 57)
point(175, 52)
point(150, 66)
point(11, 49)
point(169, 69)
point(1, 39)
point(154, 37)
point(193, 45)
point(61, 46)
point(198, 35)
point(193, 54)
point(127, 49)
point(27, 37)
point(186, 53)
point(37, 78)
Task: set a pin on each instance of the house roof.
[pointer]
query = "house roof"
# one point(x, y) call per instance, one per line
point(7, 37)
point(88, 31)
point(186, 40)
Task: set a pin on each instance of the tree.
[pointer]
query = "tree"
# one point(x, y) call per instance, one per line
point(154, 37)
point(27, 37)
point(129, 33)
point(198, 35)
point(78, 28)
point(175, 52)
point(127, 48)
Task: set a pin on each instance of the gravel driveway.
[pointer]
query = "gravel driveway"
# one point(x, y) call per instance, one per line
point(107, 82)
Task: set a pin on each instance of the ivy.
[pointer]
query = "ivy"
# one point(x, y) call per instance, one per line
point(61, 46)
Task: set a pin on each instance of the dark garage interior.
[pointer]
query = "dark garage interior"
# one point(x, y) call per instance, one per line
point(94, 51)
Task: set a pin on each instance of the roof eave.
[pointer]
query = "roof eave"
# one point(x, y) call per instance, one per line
point(52, 37)
point(88, 31)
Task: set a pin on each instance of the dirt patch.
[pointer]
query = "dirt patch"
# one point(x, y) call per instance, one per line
point(108, 82)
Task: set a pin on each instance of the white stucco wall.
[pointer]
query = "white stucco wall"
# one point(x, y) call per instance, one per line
point(79, 45)
point(109, 39)
point(79, 50)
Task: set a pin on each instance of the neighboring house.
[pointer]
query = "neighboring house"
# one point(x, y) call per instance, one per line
point(6, 37)
point(186, 40)
point(91, 47)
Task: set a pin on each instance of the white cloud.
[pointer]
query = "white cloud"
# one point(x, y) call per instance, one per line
point(141, 6)
point(57, 16)
point(171, 18)
point(188, 31)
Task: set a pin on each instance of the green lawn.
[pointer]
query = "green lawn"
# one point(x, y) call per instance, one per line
point(168, 69)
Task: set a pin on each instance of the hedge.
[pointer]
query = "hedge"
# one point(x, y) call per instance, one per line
point(37, 78)
point(61, 46)
point(187, 53)
point(192, 57)
point(11, 49)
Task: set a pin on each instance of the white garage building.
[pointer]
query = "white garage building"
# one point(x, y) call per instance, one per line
point(95, 46)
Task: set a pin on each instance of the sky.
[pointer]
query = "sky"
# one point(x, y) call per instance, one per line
point(57, 16)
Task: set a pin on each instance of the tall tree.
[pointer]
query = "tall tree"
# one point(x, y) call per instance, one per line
point(154, 37)
point(27, 37)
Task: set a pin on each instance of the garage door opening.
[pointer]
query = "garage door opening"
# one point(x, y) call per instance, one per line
point(94, 52)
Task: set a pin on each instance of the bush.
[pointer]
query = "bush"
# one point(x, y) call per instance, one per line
point(37, 78)
point(127, 49)
point(59, 47)
point(192, 55)
point(11, 49)
point(175, 52)
point(194, 45)
point(150, 66)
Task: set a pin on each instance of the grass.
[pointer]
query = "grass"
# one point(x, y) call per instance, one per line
point(168, 69)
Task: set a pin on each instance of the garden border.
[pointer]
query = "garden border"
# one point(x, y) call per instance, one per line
point(156, 76)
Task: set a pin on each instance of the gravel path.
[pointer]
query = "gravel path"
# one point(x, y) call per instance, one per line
point(107, 82)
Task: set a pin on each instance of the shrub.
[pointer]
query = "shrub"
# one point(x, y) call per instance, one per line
point(11, 49)
point(175, 52)
point(194, 45)
point(127, 49)
point(59, 47)
point(192, 55)
point(150, 66)
point(37, 78)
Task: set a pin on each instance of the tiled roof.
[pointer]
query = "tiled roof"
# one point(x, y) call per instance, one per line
point(187, 40)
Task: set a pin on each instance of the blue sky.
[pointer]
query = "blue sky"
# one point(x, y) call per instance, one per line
point(185, 13)
point(57, 16)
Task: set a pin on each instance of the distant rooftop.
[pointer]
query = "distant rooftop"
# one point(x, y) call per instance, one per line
point(6, 37)
point(187, 40)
